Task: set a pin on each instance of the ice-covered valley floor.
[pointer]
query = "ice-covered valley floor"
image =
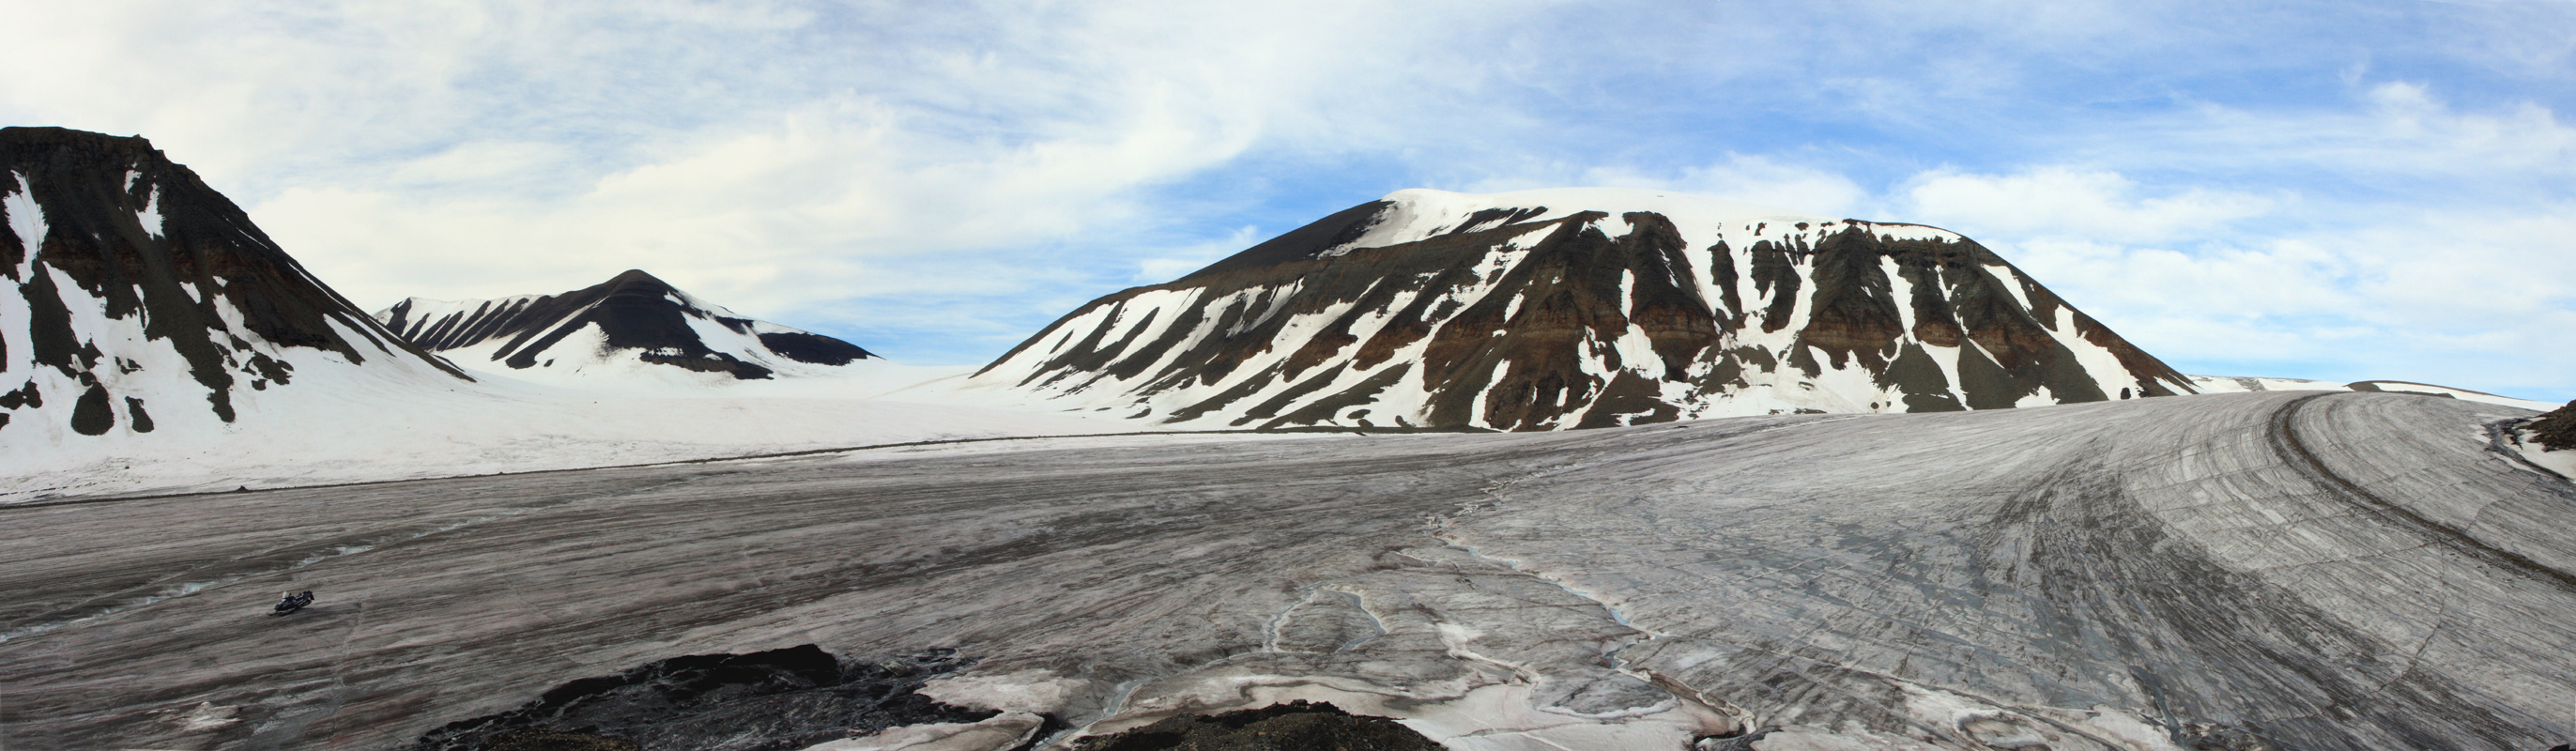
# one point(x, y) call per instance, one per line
point(2322, 570)
point(371, 426)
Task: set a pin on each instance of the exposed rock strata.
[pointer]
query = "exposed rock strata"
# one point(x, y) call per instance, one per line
point(1579, 309)
point(2556, 431)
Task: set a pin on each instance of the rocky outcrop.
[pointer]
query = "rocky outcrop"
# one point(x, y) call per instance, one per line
point(631, 318)
point(1294, 726)
point(777, 700)
point(137, 283)
point(2556, 431)
point(1579, 308)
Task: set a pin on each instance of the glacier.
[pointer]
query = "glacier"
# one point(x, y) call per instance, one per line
point(2307, 570)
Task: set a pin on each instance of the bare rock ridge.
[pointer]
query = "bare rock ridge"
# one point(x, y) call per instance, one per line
point(146, 298)
point(633, 317)
point(2556, 430)
point(1580, 308)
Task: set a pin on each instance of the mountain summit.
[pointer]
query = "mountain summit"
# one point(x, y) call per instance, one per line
point(146, 300)
point(1576, 308)
point(631, 322)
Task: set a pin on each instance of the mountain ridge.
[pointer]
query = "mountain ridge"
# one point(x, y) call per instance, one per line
point(1640, 307)
point(633, 313)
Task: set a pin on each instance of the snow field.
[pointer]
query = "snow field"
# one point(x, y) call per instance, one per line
point(2238, 385)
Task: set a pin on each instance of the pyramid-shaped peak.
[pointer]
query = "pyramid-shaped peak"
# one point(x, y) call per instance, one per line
point(634, 316)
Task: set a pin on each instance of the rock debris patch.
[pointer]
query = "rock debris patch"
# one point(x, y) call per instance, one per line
point(776, 700)
point(2556, 431)
point(1294, 726)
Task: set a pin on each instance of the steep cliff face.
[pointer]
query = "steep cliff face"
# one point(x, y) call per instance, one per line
point(633, 322)
point(146, 299)
point(1579, 308)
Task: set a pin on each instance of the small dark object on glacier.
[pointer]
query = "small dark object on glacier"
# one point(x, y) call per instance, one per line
point(530, 739)
point(2223, 737)
point(1294, 726)
point(778, 700)
point(294, 601)
point(1738, 741)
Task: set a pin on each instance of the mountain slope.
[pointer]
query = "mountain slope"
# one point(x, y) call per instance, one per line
point(631, 323)
point(1578, 308)
point(147, 301)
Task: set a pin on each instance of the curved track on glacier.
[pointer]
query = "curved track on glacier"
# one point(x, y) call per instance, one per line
point(2343, 571)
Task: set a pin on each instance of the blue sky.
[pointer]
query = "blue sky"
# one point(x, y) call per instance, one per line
point(2320, 190)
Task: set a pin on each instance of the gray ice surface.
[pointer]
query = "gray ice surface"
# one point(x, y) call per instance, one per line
point(2325, 571)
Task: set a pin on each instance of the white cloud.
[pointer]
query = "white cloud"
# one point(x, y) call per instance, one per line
point(785, 216)
point(2399, 238)
point(2473, 296)
point(1170, 264)
point(2474, 300)
point(770, 155)
point(2396, 140)
point(2058, 201)
point(1749, 179)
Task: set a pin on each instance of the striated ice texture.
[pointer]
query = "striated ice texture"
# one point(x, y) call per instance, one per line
point(2293, 570)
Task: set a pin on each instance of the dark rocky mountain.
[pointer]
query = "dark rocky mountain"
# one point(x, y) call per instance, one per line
point(147, 300)
point(1579, 308)
point(630, 321)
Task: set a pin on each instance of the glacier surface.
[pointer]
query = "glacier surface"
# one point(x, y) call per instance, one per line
point(2311, 570)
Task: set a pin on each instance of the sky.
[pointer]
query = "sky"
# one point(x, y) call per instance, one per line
point(2328, 190)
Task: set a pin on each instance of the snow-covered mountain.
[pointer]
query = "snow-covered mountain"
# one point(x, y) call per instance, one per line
point(1574, 308)
point(2237, 385)
point(160, 342)
point(629, 328)
point(148, 302)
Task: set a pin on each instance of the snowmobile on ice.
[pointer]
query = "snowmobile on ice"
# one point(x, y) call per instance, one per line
point(294, 601)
